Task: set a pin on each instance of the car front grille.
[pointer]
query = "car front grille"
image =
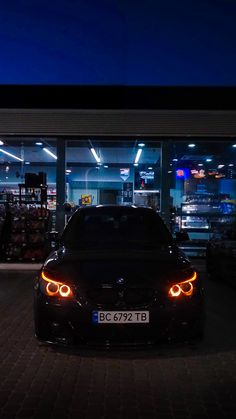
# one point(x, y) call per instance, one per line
point(128, 298)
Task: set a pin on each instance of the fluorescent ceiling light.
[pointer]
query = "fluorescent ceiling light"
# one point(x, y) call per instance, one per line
point(208, 160)
point(145, 191)
point(231, 164)
point(150, 168)
point(135, 164)
point(27, 162)
point(200, 164)
point(105, 166)
point(1, 142)
point(174, 159)
point(11, 155)
point(141, 145)
point(234, 145)
point(95, 155)
point(50, 153)
point(68, 171)
point(139, 152)
point(191, 145)
point(39, 143)
point(220, 166)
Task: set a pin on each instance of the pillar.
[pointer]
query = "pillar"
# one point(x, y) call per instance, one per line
point(165, 183)
point(60, 184)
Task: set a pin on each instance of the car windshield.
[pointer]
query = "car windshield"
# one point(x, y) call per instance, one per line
point(123, 227)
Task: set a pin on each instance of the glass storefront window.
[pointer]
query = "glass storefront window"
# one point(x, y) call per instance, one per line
point(103, 171)
point(196, 179)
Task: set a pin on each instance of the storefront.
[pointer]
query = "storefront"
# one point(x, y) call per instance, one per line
point(137, 151)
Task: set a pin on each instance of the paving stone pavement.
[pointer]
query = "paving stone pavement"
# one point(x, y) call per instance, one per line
point(166, 382)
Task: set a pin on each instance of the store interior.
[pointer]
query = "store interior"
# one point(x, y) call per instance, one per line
point(200, 173)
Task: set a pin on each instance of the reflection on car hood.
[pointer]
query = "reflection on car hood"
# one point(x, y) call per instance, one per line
point(108, 265)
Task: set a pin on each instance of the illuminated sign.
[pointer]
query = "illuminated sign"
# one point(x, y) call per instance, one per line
point(200, 174)
point(86, 199)
point(124, 173)
point(146, 175)
point(128, 192)
point(182, 173)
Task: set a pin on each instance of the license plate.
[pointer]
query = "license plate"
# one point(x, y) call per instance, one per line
point(120, 317)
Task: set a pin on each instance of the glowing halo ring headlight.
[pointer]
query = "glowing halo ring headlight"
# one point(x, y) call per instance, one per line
point(64, 290)
point(56, 288)
point(184, 287)
point(50, 290)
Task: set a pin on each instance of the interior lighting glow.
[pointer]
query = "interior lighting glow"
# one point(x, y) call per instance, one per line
point(208, 160)
point(200, 164)
point(174, 159)
point(68, 171)
point(98, 160)
point(137, 157)
point(234, 145)
point(191, 145)
point(231, 164)
point(105, 166)
point(10, 155)
point(220, 166)
point(150, 168)
point(38, 143)
point(1, 142)
point(138, 191)
point(141, 145)
point(135, 164)
point(50, 153)
point(184, 287)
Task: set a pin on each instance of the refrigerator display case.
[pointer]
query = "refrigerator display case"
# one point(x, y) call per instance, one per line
point(203, 218)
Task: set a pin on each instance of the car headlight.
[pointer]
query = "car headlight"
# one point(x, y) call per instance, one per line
point(182, 288)
point(54, 288)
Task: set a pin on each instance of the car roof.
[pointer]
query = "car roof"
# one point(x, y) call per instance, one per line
point(115, 208)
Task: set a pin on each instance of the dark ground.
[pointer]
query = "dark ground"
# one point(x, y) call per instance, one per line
point(167, 381)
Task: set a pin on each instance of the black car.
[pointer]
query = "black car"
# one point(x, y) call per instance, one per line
point(117, 277)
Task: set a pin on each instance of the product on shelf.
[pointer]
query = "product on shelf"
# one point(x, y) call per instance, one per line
point(25, 227)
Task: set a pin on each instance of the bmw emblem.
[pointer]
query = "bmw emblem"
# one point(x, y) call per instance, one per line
point(120, 281)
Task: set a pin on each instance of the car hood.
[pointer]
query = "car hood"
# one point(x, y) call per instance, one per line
point(135, 267)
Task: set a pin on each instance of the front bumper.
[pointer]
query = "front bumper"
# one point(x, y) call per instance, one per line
point(69, 322)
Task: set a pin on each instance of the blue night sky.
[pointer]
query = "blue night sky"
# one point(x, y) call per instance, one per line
point(107, 42)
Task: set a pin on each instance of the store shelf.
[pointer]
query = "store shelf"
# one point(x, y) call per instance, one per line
point(208, 214)
point(200, 219)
